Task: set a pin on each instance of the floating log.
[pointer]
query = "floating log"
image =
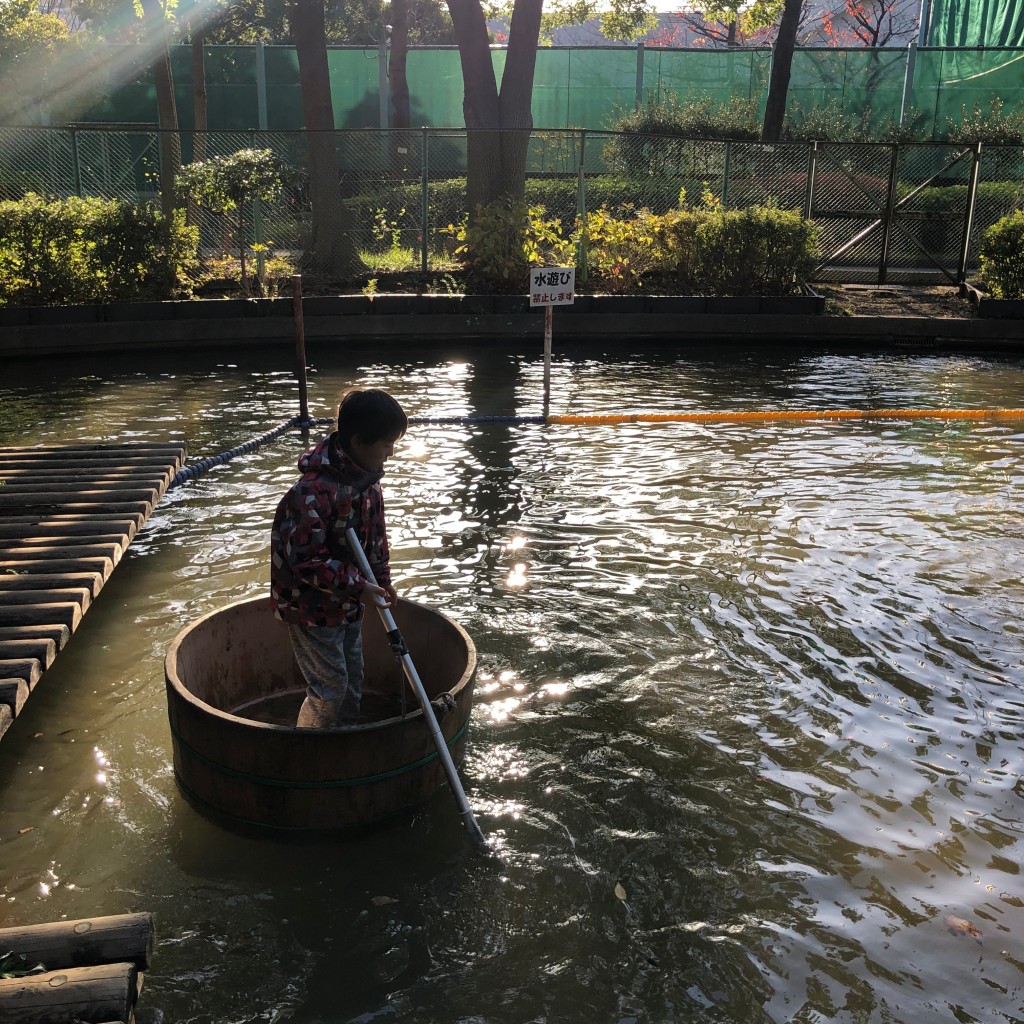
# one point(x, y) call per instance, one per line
point(41, 648)
point(13, 694)
point(28, 669)
point(91, 940)
point(71, 995)
point(66, 613)
point(57, 632)
point(72, 506)
point(70, 523)
point(81, 596)
point(90, 581)
point(6, 717)
point(103, 566)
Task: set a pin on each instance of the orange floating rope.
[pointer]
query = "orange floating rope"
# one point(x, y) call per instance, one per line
point(782, 415)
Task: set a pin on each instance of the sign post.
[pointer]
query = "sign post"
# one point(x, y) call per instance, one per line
point(549, 287)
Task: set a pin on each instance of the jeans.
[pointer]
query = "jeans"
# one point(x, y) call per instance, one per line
point(331, 661)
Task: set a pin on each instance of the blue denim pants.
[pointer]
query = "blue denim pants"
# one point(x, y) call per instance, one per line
point(331, 661)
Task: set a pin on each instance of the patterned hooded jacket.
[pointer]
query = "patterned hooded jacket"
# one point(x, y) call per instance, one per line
point(313, 577)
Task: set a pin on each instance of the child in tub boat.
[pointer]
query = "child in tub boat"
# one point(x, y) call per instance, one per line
point(315, 585)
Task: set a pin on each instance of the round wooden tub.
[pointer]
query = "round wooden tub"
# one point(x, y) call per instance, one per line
point(233, 694)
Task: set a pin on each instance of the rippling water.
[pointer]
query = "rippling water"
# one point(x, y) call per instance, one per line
point(747, 742)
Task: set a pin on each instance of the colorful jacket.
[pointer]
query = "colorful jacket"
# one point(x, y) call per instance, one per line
point(314, 579)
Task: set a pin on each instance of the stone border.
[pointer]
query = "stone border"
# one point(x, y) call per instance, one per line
point(490, 319)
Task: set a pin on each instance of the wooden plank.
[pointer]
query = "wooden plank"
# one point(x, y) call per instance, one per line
point(142, 509)
point(12, 598)
point(64, 450)
point(75, 541)
point(12, 494)
point(91, 581)
point(72, 520)
point(55, 631)
point(28, 669)
point(67, 532)
point(47, 565)
point(111, 474)
point(13, 693)
point(42, 648)
point(103, 992)
point(65, 614)
point(40, 552)
point(118, 938)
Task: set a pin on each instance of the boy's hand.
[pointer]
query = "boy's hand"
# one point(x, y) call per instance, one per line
point(377, 597)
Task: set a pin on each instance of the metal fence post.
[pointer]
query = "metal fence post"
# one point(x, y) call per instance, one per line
point(581, 207)
point(261, 86)
point(908, 81)
point(640, 74)
point(812, 167)
point(972, 199)
point(890, 205)
point(425, 199)
point(726, 169)
point(257, 228)
point(76, 170)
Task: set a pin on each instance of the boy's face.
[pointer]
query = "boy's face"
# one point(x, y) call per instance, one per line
point(372, 455)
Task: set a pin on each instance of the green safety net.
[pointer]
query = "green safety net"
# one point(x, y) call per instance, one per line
point(584, 87)
point(976, 23)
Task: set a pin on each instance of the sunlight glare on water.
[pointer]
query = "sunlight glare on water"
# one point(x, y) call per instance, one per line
point(747, 736)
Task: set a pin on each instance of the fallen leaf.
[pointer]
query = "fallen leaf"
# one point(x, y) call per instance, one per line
point(620, 892)
point(36, 735)
point(958, 926)
point(383, 901)
point(22, 831)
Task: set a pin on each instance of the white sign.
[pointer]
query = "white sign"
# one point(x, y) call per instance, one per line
point(552, 286)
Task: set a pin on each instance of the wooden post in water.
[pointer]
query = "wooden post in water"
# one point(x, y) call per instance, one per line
point(300, 346)
point(547, 361)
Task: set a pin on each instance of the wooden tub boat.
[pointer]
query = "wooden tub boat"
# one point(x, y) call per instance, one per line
point(233, 694)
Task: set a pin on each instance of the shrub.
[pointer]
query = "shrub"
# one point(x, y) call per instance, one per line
point(994, 127)
point(648, 251)
point(1002, 257)
point(229, 185)
point(504, 241)
point(64, 251)
point(755, 251)
point(702, 117)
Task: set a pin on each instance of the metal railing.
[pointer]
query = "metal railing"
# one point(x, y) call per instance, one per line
point(886, 212)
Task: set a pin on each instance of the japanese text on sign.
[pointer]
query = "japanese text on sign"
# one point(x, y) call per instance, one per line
point(552, 286)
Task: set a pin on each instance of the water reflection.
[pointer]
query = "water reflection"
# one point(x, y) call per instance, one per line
point(747, 743)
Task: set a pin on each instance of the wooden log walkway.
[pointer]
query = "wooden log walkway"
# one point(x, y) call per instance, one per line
point(67, 515)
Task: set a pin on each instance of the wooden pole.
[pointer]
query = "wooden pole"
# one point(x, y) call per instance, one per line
point(104, 993)
point(300, 346)
point(547, 360)
point(395, 639)
point(90, 940)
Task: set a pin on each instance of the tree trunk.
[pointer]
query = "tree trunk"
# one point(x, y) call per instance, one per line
point(330, 251)
point(400, 117)
point(197, 43)
point(782, 67)
point(498, 124)
point(167, 111)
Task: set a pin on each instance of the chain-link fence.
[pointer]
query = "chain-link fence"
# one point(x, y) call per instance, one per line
point(389, 200)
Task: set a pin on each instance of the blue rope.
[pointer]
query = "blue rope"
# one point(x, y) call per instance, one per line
point(195, 469)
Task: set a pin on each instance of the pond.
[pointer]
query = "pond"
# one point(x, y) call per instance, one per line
point(748, 732)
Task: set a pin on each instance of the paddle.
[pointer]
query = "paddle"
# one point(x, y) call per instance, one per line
point(398, 646)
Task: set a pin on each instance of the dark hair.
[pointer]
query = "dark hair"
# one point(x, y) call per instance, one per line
point(371, 415)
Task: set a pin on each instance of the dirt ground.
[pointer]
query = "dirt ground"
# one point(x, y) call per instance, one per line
point(939, 301)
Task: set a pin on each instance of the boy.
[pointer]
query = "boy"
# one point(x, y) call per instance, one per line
point(315, 584)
